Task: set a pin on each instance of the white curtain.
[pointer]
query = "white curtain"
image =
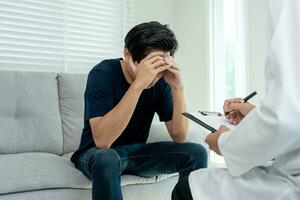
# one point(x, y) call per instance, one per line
point(62, 35)
point(228, 68)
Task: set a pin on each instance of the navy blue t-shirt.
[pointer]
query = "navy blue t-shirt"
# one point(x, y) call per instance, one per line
point(106, 86)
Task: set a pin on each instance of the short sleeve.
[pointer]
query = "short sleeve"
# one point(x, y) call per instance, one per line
point(165, 103)
point(98, 95)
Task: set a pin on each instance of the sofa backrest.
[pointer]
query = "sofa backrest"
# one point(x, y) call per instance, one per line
point(43, 112)
point(71, 100)
point(29, 113)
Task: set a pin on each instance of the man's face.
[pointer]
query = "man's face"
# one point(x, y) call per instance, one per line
point(158, 76)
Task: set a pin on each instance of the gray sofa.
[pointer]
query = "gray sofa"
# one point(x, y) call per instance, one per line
point(41, 118)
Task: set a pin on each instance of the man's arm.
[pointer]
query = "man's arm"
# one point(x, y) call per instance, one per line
point(178, 126)
point(108, 128)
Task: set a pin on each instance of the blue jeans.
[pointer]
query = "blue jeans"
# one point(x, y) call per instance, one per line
point(105, 166)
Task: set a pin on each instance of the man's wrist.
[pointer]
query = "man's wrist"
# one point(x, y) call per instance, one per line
point(177, 88)
point(136, 88)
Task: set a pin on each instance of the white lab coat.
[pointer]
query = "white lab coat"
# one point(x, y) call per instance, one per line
point(269, 131)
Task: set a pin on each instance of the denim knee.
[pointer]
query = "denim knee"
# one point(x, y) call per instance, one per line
point(105, 162)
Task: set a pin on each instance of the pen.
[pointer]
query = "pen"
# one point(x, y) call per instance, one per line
point(249, 97)
point(244, 100)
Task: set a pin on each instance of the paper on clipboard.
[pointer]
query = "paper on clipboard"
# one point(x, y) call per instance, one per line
point(210, 122)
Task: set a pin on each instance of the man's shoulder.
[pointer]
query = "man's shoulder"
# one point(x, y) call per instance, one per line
point(107, 65)
point(105, 69)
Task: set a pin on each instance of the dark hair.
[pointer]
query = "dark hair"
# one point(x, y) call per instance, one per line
point(148, 36)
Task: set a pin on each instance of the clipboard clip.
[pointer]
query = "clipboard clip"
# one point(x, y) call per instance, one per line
point(206, 113)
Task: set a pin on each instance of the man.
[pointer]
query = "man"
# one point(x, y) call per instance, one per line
point(263, 153)
point(121, 98)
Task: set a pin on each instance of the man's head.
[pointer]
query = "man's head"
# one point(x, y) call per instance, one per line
point(148, 37)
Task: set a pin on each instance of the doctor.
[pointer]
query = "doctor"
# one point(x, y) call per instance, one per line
point(266, 133)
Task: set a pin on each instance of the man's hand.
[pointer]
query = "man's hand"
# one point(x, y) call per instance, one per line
point(237, 110)
point(149, 68)
point(213, 138)
point(172, 74)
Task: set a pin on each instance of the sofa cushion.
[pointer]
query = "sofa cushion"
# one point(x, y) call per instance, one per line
point(29, 113)
point(71, 97)
point(162, 191)
point(36, 171)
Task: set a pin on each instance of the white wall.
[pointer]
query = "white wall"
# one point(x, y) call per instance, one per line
point(190, 22)
point(154, 10)
point(258, 13)
point(191, 26)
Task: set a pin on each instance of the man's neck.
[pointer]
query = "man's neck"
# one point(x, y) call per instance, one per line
point(126, 71)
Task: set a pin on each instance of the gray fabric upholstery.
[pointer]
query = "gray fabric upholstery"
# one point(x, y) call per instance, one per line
point(71, 100)
point(161, 191)
point(157, 191)
point(29, 113)
point(51, 194)
point(41, 114)
point(159, 132)
point(34, 171)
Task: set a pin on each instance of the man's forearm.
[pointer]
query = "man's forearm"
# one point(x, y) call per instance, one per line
point(179, 123)
point(111, 126)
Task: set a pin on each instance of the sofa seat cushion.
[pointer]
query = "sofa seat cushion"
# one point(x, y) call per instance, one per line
point(36, 171)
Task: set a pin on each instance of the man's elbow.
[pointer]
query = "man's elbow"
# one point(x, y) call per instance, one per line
point(179, 139)
point(180, 136)
point(100, 141)
point(102, 144)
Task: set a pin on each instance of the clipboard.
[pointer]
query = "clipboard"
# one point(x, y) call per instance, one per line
point(209, 120)
point(198, 121)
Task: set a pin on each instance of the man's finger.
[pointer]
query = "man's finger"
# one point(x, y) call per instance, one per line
point(175, 67)
point(154, 59)
point(158, 63)
point(162, 68)
point(152, 54)
point(174, 71)
point(169, 59)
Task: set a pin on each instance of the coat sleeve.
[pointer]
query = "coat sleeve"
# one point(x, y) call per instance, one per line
point(273, 129)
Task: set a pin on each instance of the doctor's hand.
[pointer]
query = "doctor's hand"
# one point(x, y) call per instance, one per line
point(213, 138)
point(237, 110)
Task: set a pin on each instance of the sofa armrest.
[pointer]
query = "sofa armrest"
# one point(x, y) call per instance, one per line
point(159, 132)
